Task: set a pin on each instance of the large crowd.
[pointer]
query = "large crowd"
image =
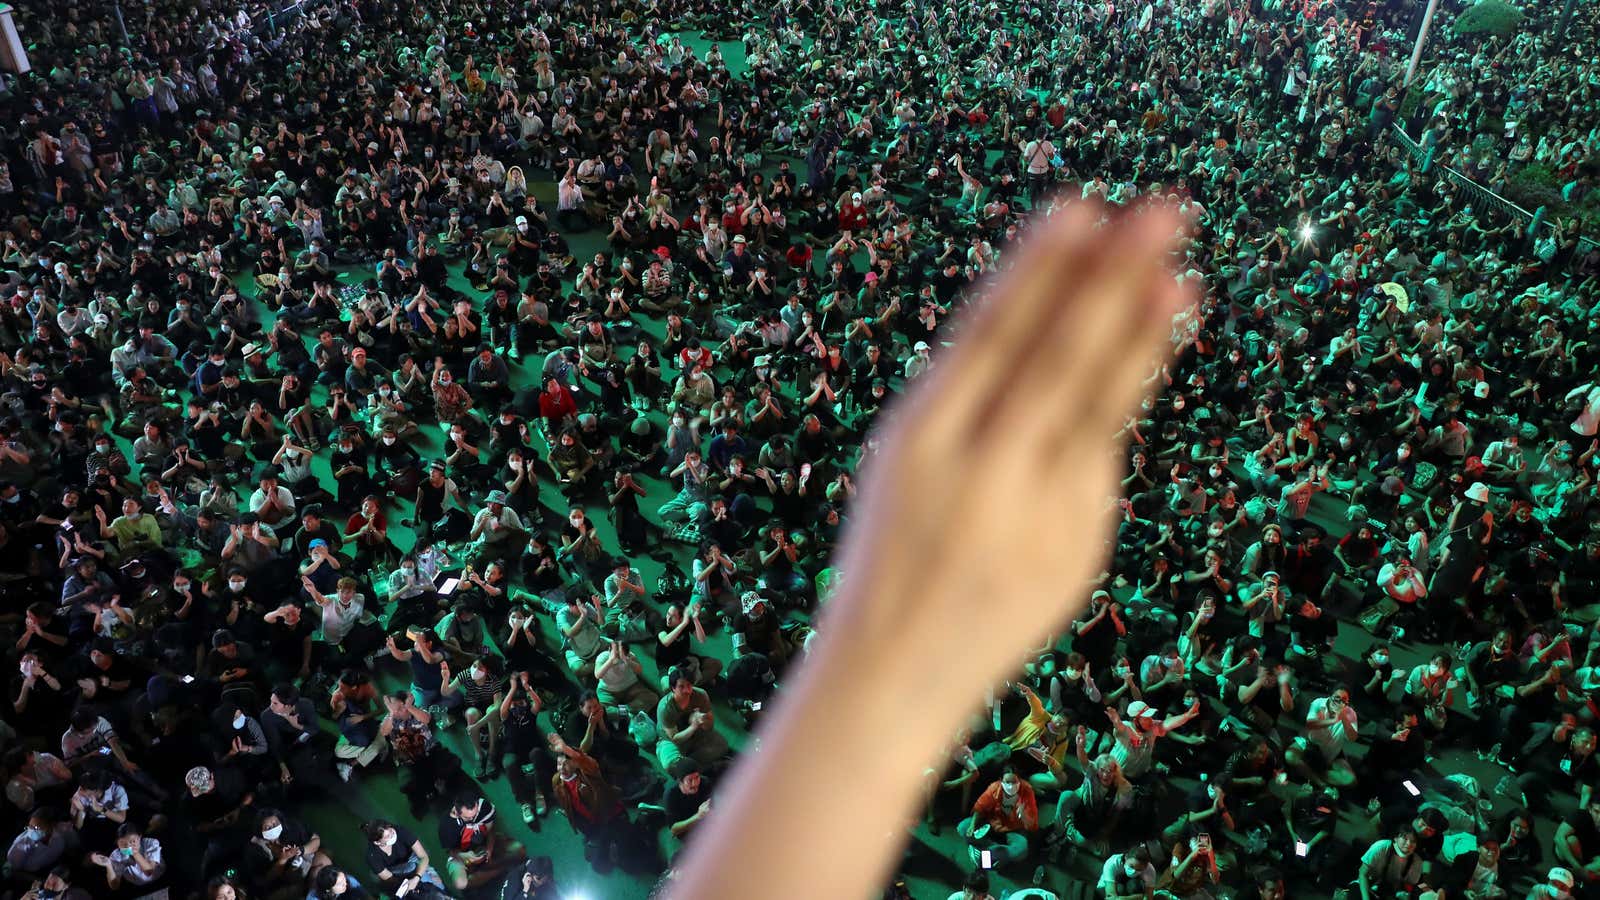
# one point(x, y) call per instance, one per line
point(360, 361)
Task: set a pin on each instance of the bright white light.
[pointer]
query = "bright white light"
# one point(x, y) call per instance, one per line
point(1305, 232)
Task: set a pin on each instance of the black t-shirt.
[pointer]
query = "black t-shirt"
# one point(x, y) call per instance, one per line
point(379, 861)
point(1586, 831)
point(680, 806)
point(1313, 633)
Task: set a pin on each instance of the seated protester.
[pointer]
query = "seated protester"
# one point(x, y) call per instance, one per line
point(397, 858)
point(1192, 870)
point(298, 744)
point(214, 811)
point(89, 742)
point(428, 665)
point(282, 855)
point(334, 883)
point(685, 726)
point(38, 778)
point(231, 664)
point(289, 645)
point(1577, 839)
point(240, 744)
point(1004, 820)
point(1558, 884)
point(354, 705)
point(137, 865)
point(42, 845)
point(1431, 686)
point(536, 880)
point(1044, 738)
point(462, 632)
point(1127, 875)
point(674, 647)
point(599, 732)
point(762, 628)
point(590, 803)
point(477, 854)
point(428, 768)
point(42, 697)
point(1311, 822)
point(61, 883)
point(621, 680)
point(412, 593)
point(523, 741)
point(686, 801)
point(1134, 744)
point(578, 621)
point(98, 808)
point(367, 531)
point(1311, 638)
point(347, 638)
point(1399, 751)
point(481, 688)
point(1391, 867)
point(1330, 725)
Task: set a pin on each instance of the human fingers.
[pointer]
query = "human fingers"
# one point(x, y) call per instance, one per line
point(1003, 322)
point(1099, 307)
point(1131, 340)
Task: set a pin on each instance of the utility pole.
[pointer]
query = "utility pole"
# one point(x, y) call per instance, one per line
point(1422, 39)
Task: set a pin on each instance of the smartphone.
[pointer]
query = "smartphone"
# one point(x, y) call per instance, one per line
point(188, 679)
point(1202, 842)
point(756, 706)
point(403, 889)
point(104, 751)
point(986, 859)
point(449, 586)
point(1301, 848)
point(1411, 789)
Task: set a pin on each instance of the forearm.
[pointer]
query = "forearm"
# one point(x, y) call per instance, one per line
point(808, 731)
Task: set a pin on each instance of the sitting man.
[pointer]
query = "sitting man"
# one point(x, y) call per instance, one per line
point(477, 856)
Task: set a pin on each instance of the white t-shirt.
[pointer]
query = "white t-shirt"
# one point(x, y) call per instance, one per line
point(1331, 740)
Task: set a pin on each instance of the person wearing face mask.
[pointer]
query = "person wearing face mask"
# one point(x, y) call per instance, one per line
point(1046, 738)
point(1004, 820)
point(398, 859)
point(1127, 875)
point(240, 743)
point(137, 862)
point(42, 844)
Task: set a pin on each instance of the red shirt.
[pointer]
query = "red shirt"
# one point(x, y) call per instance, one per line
point(557, 406)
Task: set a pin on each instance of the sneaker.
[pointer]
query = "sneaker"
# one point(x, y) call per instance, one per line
point(529, 769)
point(528, 814)
point(1038, 876)
point(345, 771)
point(1396, 633)
point(972, 854)
point(539, 805)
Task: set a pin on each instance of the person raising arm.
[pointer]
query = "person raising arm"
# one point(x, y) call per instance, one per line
point(919, 557)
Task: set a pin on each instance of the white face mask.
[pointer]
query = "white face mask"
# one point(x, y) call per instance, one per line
point(238, 722)
point(273, 833)
point(1436, 670)
point(1010, 787)
point(236, 586)
point(388, 441)
point(1380, 659)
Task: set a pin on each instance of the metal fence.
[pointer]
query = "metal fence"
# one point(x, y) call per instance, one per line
point(1481, 196)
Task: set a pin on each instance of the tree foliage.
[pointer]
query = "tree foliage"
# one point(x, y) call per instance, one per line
point(1495, 17)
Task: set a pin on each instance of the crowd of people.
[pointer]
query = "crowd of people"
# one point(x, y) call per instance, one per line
point(329, 449)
